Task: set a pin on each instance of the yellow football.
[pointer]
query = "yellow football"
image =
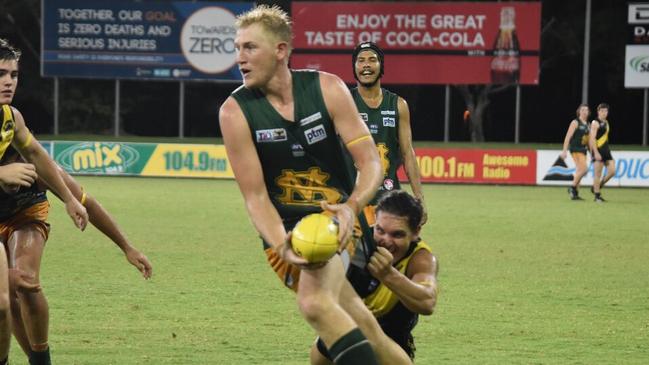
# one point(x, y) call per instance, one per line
point(315, 237)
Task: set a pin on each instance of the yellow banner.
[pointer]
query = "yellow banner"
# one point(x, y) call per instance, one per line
point(188, 160)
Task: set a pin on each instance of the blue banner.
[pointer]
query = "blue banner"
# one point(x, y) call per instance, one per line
point(168, 40)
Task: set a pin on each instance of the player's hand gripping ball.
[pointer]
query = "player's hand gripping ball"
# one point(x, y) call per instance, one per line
point(315, 238)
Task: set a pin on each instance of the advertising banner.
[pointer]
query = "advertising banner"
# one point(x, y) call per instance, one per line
point(636, 67)
point(172, 40)
point(632, 169)
point(142, 159)
point(424, 43)
point(475, 166)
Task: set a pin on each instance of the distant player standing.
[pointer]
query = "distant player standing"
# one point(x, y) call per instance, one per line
point(577, 141)
point(388, 118)
point(280, 130)
point(404, 271)
point(16, 134)
point(601, 153)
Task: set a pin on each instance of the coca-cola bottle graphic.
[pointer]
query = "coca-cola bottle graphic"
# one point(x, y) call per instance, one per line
point(506, 64)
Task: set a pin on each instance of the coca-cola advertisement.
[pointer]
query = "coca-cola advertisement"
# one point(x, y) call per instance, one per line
point(424, 42)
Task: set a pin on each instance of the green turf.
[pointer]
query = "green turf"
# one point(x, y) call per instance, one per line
point(527, 277)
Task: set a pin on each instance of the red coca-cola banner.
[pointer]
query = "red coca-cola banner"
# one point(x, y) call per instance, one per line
point(424, 43)
point(475, 166)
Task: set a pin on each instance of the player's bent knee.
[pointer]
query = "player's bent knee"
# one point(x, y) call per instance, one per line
point(313, 307)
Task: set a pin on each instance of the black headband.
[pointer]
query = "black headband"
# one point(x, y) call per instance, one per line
point(364, 47)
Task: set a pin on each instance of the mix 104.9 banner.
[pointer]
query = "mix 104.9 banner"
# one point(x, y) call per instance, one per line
point(176, 40)
point(141, 159)
point(424, 43)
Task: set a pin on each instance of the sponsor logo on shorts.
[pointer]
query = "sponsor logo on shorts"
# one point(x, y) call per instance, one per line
point(389, 122)
point(310, 119)
point(315, 134)
point(271, 135)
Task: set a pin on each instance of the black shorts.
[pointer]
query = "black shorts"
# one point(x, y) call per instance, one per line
point(605, 152)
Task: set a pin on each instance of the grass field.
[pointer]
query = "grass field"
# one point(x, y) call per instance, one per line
point(527, 277)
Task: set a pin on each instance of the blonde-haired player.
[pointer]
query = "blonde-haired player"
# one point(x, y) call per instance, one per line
point(282, 130)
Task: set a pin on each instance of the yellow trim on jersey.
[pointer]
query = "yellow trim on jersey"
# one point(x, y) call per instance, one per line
point(30, 138)
point(7, 131)
point(359, 139)
point(383, 300)
point(604, 138)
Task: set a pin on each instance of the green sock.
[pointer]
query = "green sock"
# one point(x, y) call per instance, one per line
point(352, 349)
point(40, 357)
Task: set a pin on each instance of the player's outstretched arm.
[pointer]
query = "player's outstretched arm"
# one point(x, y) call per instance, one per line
point(418, 290)
point(249, 176)
point(360, 145)
point(47, 170)
point(408, 155)
point(104, 222)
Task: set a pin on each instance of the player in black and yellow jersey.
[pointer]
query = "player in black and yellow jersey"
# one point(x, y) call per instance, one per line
point(577, 142)
point(14, 133)
point(388, 118)
point(601, 153)
point(282, 130)
point(24, 229)
point(404, 271)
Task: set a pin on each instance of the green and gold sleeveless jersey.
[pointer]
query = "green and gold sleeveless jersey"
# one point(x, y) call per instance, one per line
point(601, 138)
point(579, 140)
point(302, 160)
point(8, 128)
point(383, 123)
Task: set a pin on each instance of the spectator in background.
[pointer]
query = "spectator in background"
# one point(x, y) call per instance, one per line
point(577, 142)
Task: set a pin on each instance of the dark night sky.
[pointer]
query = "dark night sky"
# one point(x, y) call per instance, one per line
point(546, 109)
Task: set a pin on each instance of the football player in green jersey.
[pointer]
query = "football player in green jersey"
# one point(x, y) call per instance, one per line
point(282, 130)
point(388, 119)
point(576, 141)
point(15, 133)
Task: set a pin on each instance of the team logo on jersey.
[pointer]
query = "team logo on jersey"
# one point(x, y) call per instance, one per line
point(374, 129)
point(306, 187)
point(388, 184)
point(388, 112)
point(271, 135)
point(315, 134)
point(310, 119)
point(297, 150)
point(389, 122)
point(383, 155)
point(364, 117)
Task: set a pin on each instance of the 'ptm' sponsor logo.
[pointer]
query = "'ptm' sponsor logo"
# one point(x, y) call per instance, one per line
point(315, 134)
